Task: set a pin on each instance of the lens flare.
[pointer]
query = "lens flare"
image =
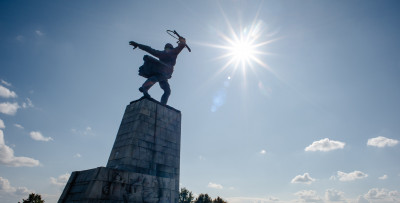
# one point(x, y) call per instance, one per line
point(220, 96)
point(244, 47)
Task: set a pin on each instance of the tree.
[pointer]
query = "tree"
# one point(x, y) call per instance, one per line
point(185, 196)
point(33, 198)
point(219, 200)
point(203, 198)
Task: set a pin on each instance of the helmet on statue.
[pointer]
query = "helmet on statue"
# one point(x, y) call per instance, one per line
point(168, 46)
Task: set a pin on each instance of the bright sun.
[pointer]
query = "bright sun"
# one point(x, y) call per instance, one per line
point(242, 50)
point(243, 47)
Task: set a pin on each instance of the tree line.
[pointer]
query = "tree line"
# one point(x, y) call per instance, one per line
point(186, 196)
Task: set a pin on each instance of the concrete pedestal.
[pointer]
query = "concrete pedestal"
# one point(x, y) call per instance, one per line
point(143, 165)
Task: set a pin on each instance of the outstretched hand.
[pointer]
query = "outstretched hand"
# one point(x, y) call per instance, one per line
point(134, 44)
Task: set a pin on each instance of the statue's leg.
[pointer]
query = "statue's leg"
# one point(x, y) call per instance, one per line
point(147, 85)
point(167, 91)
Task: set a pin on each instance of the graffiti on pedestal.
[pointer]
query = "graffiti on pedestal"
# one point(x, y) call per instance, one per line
point(139, 188)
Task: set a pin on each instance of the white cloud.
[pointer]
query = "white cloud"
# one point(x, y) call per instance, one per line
point(9, 108)
point(361, 199)
point(22, 191)
point(39, 137)
point(2, 126)
point(88, 131)
point(334, 195)
point(60, 180)
point(251, 200)
point(27, 104)
point(214, 185)
point(383, 195)
point(202, 157)
point(12, 194)
point(342, 176)
point(5, 83)
point(5, 185)
point(263, 151)
point(308, 196)
point(39, 33)
point(19, 126)
point(6, 93)
point(77, 155)
point(7, 156)
point(273, 199)
point(384, 177)
point(325, 145)
point(382, 142)
point(306, 179)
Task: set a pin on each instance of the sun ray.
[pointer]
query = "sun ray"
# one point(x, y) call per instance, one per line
point(265, 43)
point(230, 27)
point(244, 48)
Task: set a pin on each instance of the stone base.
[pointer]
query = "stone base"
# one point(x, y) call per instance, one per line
point(143, 166)
point(105, 185)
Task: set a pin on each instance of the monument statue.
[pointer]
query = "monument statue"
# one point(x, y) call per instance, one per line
point(161, 69)
point(144, 163)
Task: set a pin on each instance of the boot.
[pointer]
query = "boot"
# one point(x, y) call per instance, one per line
point(144, 91)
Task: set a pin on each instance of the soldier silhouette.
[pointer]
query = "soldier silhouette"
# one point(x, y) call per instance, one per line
point(158, 70)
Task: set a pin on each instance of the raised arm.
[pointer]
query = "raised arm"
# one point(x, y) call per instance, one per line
point(181, 45)
point(145, 48)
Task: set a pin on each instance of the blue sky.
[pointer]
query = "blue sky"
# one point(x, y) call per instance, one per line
point(315, 120)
